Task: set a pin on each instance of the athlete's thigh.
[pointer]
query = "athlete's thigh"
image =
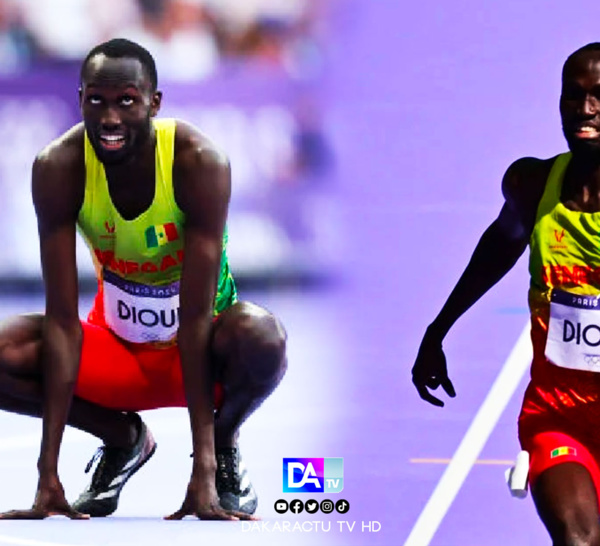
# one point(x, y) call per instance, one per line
point(109, 374)
point(565, 479)
point(20, 342)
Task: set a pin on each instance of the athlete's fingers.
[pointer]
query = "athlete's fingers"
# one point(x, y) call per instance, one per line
point(448, 387)
point(242, 515)
point(23, 514)
point(180, 514)
point(428, 397)
point(217, 514)
point(210, 515)
point(433, 383)
point(34, 513)
point(422, 384)
point(63, 508)
point(71, 514)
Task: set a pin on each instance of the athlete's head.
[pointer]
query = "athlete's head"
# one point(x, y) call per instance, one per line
point(580, 101)
point(118, 98)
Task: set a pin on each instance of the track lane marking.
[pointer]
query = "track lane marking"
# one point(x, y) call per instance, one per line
point(498, 397)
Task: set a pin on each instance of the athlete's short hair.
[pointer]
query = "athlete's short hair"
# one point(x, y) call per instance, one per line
point(118, 48)
point(593, 46)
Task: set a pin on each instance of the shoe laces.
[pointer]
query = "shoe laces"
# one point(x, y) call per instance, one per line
point(108, 467)
point(228, 478)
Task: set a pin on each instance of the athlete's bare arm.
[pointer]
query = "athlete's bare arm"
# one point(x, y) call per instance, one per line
point(202, 186)
point(499, 248)
point(57, 187)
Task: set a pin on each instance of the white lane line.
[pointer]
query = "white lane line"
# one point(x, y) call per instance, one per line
point(483, 424)
point(14, 541)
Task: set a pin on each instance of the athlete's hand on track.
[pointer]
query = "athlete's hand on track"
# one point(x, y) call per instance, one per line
point(49, 501)
point(430, 372)
point(204, 504)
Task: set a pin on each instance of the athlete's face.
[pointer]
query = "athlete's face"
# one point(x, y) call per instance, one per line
point(117, 104)
point(580, 103)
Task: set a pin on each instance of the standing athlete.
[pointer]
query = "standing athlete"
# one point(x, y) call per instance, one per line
point(552, 205)
point(150, 197)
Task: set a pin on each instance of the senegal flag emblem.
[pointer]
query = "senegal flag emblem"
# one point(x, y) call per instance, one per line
point(562, 451)
point(161, 235)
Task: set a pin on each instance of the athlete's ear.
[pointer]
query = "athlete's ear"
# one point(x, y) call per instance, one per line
point(155, 103)
point(80, 93)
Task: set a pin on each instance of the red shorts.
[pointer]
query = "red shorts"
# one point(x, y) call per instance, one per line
point(557, 427)
point(560, 414)
point(548, 449)
point(127, 377)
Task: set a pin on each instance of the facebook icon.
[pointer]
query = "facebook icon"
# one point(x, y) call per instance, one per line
point(296, 506)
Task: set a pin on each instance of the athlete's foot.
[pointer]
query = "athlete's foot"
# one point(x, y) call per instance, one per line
point(116, 466)
point(232, 481)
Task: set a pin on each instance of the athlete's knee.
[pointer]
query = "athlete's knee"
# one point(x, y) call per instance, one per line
point(20, 342)
point(262, 340)
point(257, 339)
point(575, 531)
point(576, 525)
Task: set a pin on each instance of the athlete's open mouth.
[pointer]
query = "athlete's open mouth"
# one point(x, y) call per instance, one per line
point(586, 132)
point(112, 142)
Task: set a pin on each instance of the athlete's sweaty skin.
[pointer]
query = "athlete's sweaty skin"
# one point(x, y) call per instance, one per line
point(39, 355)
point(564, 494)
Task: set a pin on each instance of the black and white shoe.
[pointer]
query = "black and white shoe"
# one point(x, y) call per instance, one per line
point(116, 466)
point(233, 484)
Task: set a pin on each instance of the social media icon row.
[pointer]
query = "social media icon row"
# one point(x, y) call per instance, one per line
point(311, 506)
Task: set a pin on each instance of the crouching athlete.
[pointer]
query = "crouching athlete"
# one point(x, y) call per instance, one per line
point(150, 197)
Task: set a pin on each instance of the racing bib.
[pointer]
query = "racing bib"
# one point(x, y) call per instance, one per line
point(574, 331)
point(140, 313)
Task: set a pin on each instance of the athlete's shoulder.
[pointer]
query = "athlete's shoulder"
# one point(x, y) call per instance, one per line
point(65, 151)
point(525, 180)
point(201, 172)
point(58, 176)
point(192, 145)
